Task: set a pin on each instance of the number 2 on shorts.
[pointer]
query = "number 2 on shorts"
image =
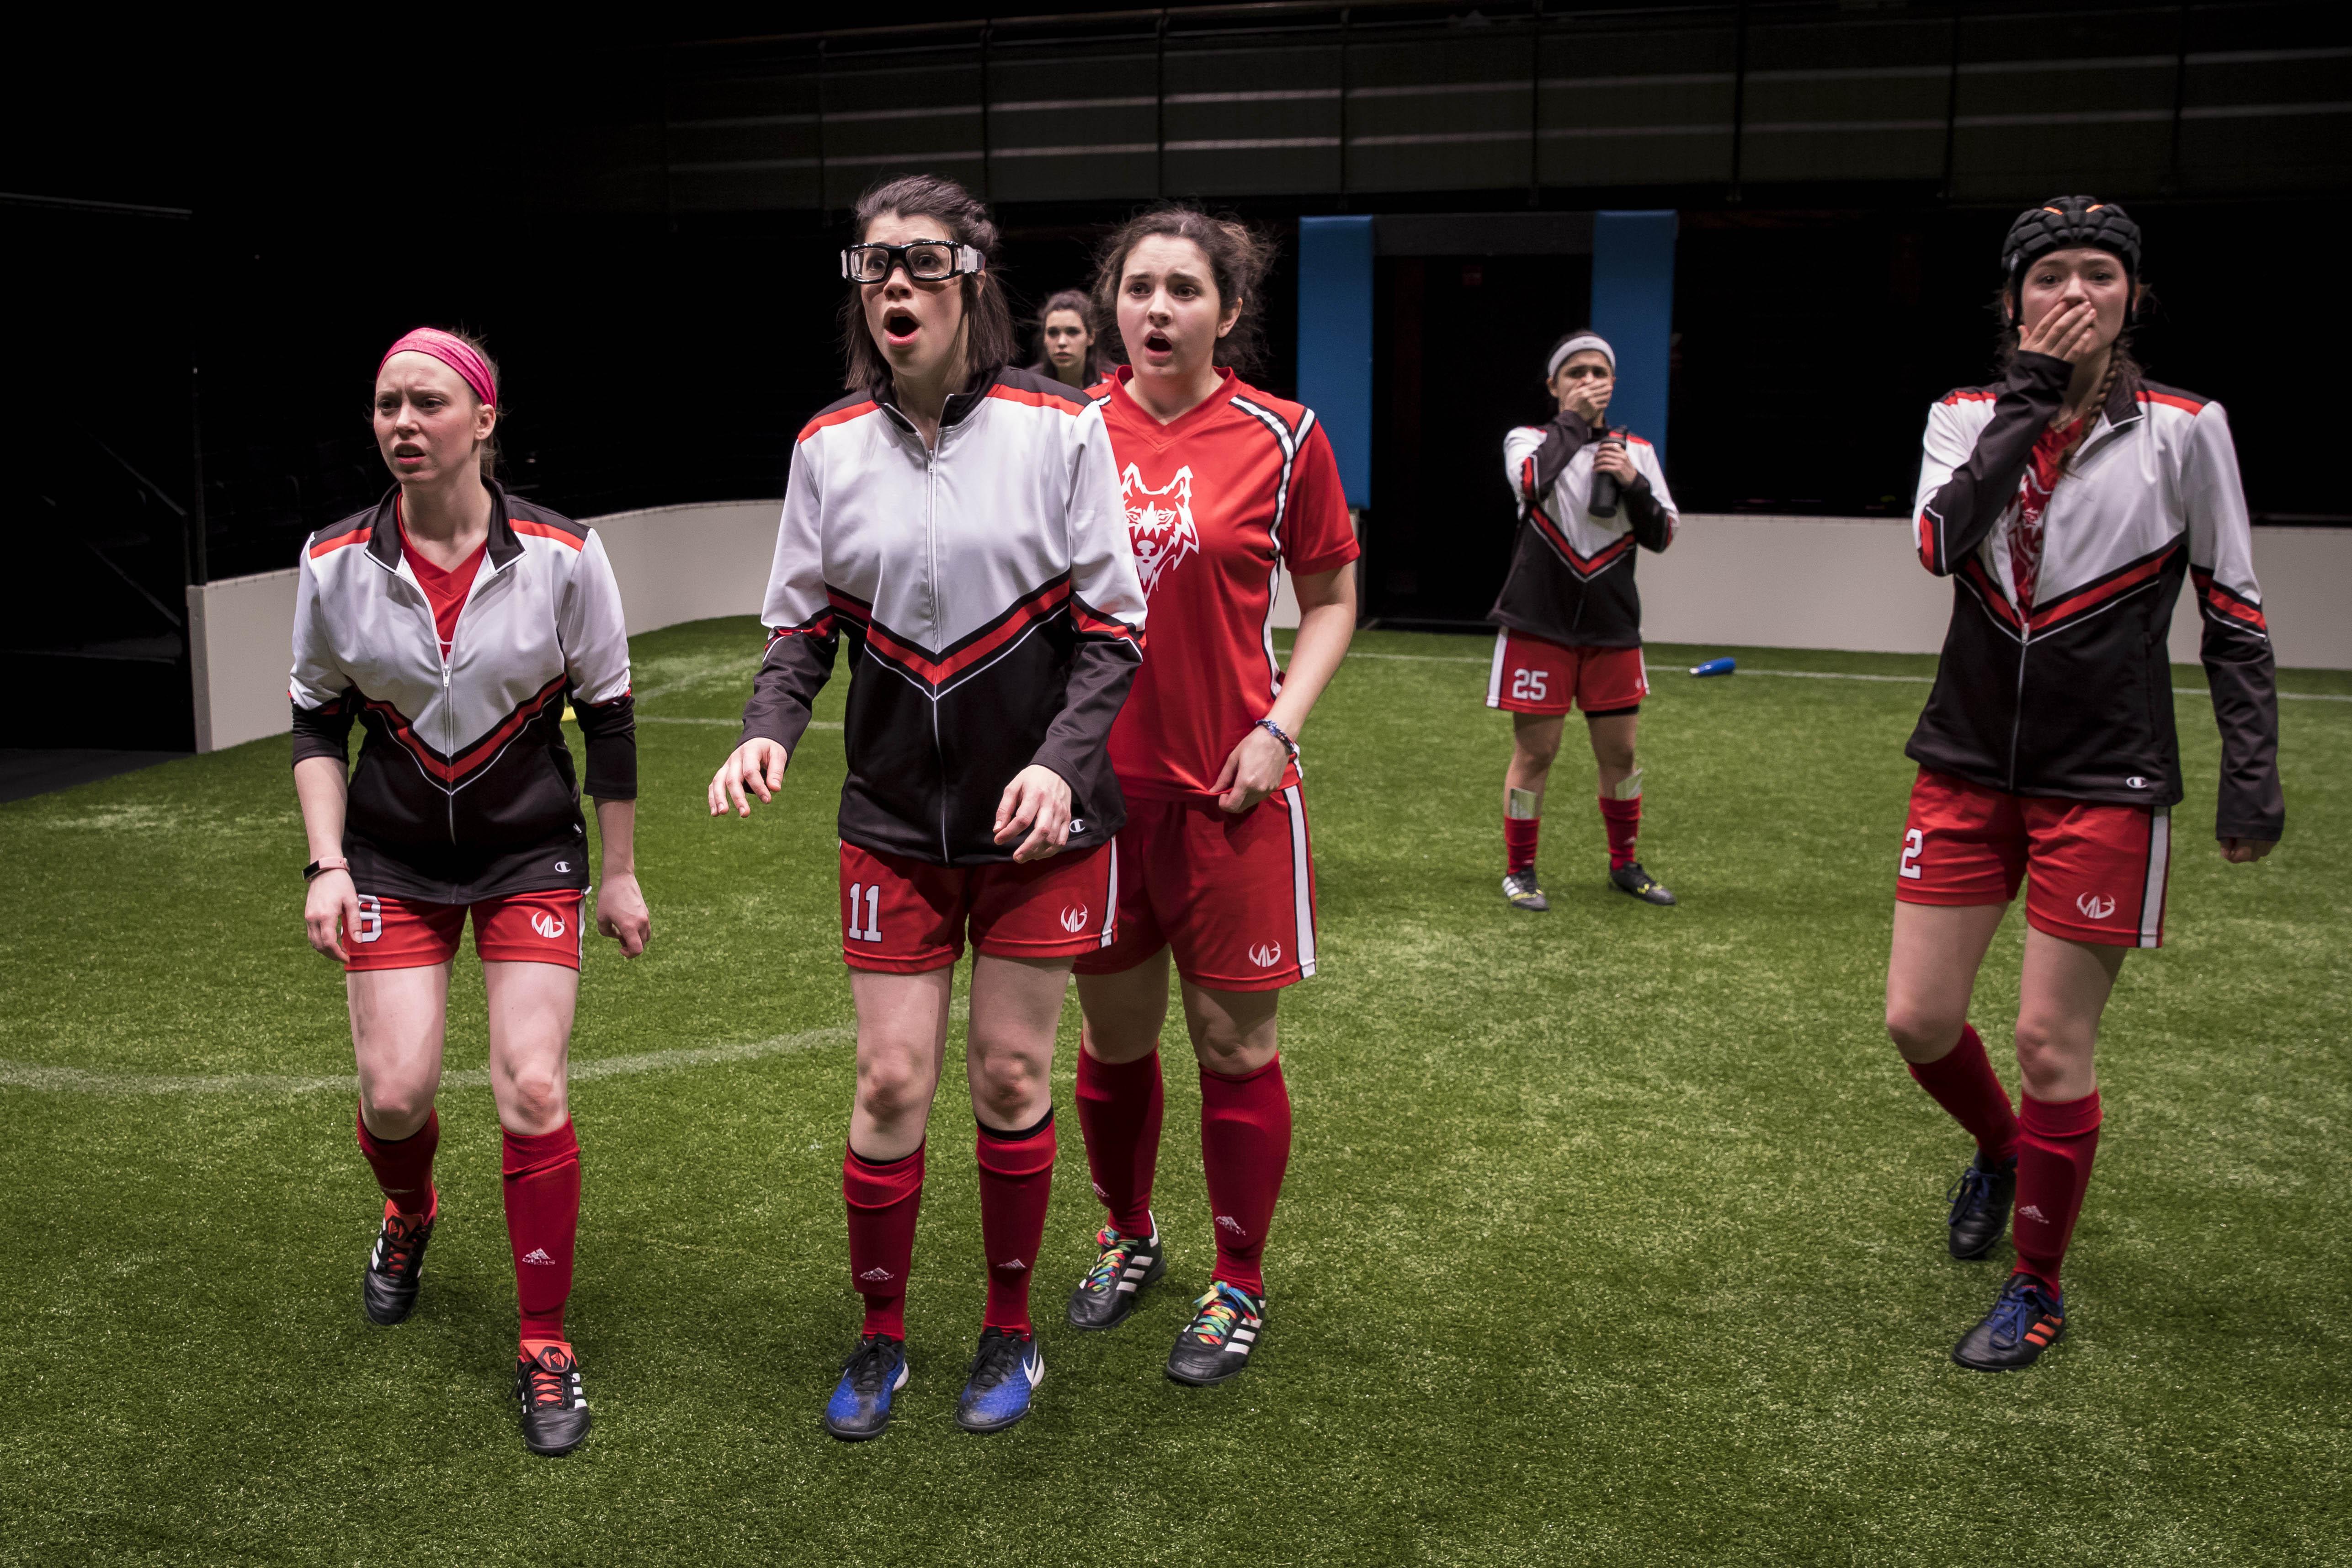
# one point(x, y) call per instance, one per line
point(1911, 842)
point(873, 896)
point(1528, 686)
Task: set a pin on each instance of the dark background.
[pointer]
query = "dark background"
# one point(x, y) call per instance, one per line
point(213, 236)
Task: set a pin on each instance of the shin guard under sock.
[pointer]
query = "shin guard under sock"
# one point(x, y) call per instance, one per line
point(882, 1197)
point(1962, 1082)
point(1246, 1149)
point(1624, 820)
point(2056, 1144)
point(1519, 836)
point(542, 1199)
point(1119, 1109)
point(1017, 1178)
point(403, 1166)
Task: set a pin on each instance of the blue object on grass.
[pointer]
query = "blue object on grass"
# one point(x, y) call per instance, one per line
point(1715, 667)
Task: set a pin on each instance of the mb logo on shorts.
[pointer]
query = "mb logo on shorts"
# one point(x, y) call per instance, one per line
point(546, 924)
point(1075, 920)
point(2095, 907)
point(1267, 954)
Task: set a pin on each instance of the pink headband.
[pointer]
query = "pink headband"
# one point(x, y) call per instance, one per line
point(451, 350)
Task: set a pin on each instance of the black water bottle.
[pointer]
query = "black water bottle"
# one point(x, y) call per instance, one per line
point(1604, 485)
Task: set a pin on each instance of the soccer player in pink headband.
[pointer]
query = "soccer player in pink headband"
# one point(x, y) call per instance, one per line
point(453, 622)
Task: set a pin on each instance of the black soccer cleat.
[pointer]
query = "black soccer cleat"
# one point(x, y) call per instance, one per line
point(1981, 1201)
point(395, 1267)
point(2027, 1319)
point(1633, 878)
point(1521, 891)
point(875, 1372)
point(547, 1386)
point(1123, 1270)
point(1215, 1345)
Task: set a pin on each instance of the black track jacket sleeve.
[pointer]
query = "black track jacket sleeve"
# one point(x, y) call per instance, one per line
point(1977, 481)
point(1563, 438)
point(2236, 649)
point(1107, 611)
point(1651, 529)
point(803, 641)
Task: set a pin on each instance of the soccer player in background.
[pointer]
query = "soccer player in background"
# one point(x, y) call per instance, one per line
point(454, 621)
point(1066, 343)
point(960, 521)
point(1224, 487)
point(1570, 618)
point(2068, 501)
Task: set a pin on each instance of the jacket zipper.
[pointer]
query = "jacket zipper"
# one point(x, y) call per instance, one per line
point(931, 547)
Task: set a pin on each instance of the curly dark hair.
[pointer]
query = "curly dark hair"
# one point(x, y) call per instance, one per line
point(1239, 258)
point(988, 333)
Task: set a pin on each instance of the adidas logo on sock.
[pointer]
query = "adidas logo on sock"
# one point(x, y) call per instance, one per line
point(2033, 1213)
point(1014, 1264)
point(539, 1255)
point(1227, 1222)
point(877, 1275)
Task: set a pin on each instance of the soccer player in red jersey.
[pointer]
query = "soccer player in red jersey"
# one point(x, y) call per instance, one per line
point(453, 622)
point(1224, 487)
point(2068, 501)
point(959, 519)
point(1569, 617)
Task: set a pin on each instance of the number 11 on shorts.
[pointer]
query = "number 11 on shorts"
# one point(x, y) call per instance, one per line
point(873, 896)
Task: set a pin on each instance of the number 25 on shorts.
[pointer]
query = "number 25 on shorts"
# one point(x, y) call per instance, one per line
point(1528, 686)
point(872, 895)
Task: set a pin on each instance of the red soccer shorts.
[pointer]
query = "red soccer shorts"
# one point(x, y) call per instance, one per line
point(1233, 896)
point(1531, 676)
point(520, 928)
point(2096, 871)
point(904, 916)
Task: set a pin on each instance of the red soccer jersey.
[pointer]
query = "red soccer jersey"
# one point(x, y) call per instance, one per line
point(1217, 503)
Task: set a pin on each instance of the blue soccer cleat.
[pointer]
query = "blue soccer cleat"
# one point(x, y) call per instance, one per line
point(1005, 1372)
point(860, 1405)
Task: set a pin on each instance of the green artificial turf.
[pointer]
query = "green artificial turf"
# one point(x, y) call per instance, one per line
point(1612, 1236)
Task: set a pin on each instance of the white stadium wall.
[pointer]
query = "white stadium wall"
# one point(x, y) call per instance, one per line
point(1729, 581)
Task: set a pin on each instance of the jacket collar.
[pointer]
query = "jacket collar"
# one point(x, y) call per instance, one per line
point(959, 405)
point(384, 534)
point(2123, 411)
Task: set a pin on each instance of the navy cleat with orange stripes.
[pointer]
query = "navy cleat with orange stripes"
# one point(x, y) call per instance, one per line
point(2027, 1319)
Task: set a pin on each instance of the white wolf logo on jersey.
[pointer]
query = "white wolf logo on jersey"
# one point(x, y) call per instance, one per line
point(1159, 523)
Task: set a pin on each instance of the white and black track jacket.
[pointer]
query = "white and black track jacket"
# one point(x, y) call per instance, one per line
point(990, 595)
point(465, 789)
point(1571, 577)
point(2072, 696)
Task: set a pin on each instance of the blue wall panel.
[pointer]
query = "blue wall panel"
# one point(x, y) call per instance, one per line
point(1634, 308)
point(1334, 340)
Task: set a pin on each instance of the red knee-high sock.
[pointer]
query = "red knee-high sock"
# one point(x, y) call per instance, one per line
point(1016, 1178)
point(1119, 1106)
point(542, 1193)
point(403, 1166)
point(1962, 1082)
point(1519, 836)
point(2058, 1140)
point(882, 1197)
point(1245, 1145)
point(1624, 820)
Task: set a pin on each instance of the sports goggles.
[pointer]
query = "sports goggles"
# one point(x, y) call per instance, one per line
point(926, 261)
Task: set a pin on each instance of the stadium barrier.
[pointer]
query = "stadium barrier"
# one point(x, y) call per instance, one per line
point(1850, 583)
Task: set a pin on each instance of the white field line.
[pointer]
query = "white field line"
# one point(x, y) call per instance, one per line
point(729, 722)
point(1845, 675)
point(79, 1080)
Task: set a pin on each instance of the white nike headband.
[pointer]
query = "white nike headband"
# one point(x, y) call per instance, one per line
point(1577, 345)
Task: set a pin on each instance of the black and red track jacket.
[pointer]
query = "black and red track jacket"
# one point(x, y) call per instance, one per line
point(465, 789)
point(1571, 577)
point(2071, 696)
point(989, 592)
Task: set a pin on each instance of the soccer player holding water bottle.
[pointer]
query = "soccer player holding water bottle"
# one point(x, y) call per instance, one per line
point(1571, 620)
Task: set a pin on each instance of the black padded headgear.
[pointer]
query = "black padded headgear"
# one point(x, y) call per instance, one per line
point(2064, 222)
